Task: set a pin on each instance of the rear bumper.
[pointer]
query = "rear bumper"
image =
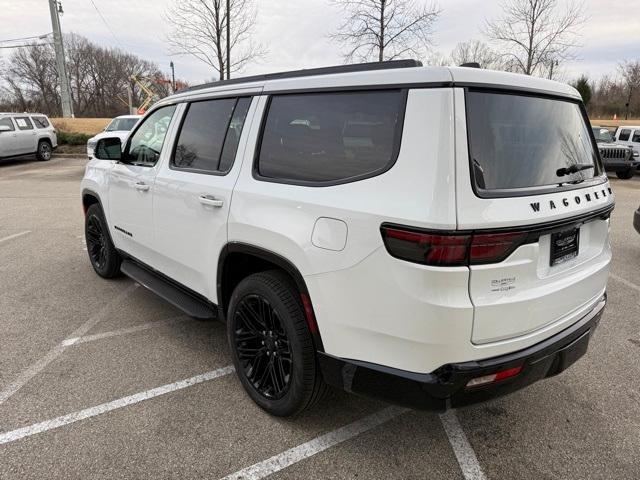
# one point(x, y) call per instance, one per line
point(636, 220)
point(446, 386)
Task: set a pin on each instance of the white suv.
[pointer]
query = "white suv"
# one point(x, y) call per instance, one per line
point(430, 236)
point(118, 127)
point(26, 134)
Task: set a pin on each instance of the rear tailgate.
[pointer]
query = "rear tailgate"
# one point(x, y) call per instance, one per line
point(560, 269)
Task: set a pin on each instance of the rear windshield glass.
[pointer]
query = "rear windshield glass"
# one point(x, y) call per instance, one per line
point(519, 141)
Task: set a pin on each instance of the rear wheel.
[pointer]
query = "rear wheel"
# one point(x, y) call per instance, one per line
point(103, 255)
point(44, 151)
point(626, 174)
point(272, 347)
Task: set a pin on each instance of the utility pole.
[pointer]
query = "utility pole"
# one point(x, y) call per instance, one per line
point(65, 89)
point(173, 77)
point(228, 40)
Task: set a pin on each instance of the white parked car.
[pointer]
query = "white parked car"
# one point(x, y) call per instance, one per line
point(118, 127)
point(24, 134)
point(433, 237)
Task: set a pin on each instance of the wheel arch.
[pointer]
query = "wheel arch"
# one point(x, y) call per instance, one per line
point(238, 260)
point(89, 197)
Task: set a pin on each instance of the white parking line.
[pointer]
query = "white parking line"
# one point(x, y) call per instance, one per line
point(317, 445)
point(462, 449)
point(63, 420)
point(625, 282)
point(16, 235)
point(122, 331)
point(32, 370)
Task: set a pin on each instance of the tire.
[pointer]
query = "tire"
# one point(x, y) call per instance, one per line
point(271, 346)
point(44, 151)
point(626, 174)
point(103, 255)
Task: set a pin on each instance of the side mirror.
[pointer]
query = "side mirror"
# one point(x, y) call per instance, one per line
point(109, 148)
point(5, 128)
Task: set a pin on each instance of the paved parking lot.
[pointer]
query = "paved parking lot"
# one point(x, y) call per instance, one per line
point(101, 379)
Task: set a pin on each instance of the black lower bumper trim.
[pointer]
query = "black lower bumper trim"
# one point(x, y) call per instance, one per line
point(447, 386)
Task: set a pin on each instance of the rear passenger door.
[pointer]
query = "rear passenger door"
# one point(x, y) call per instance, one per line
point(193, 191)
point(27, 139)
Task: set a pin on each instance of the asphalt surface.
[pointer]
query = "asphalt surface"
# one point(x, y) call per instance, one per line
point(62, 414)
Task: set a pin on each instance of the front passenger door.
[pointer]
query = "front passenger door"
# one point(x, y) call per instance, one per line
point(132, 182)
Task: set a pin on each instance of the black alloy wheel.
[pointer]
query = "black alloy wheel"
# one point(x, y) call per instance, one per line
point(96, 243)
point(263, 347)
point(271, 345)
point(103, 255)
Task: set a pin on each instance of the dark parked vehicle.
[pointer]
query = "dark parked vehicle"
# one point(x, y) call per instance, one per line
point(616, 157)
point(636, 220)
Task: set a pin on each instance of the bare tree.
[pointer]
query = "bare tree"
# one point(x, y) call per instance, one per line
point(199, 29)
point(479, 52)
point(533, 35)
point(99, 79)
point(630, 72)
point(385, 29)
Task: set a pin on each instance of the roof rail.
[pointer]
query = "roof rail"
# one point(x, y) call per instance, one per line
point(357, 67)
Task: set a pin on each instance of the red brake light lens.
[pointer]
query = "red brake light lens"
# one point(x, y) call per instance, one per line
point(426, 248)
point(450, 249)
point(494, 247)
point(494, 377)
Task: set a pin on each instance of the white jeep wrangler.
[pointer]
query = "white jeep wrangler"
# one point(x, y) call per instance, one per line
point(433, 237)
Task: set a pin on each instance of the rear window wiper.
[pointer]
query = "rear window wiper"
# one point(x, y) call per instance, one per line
point(575, 168)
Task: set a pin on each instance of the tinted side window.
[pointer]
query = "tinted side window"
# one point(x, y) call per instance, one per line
point(24, 123)
point(331, 137)
point(624, 135)
point(41, 122)
point(202, 135)
point(147, 141)
point(6, 122)
point(636, 136)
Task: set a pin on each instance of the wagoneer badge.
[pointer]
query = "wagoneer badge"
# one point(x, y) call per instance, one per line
point(578, 199)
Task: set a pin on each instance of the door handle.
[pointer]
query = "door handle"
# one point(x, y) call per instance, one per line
point(211, 201)
point(143, 187)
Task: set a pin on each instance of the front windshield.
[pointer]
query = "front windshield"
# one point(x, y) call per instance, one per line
point(602, 135)
point(121, 124)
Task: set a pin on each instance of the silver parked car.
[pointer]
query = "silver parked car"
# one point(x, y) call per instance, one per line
point(26, 134)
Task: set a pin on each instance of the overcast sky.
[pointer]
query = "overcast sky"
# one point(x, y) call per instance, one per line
point(295, 31)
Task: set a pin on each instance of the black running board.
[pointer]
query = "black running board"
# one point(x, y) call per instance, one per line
point(176, 296)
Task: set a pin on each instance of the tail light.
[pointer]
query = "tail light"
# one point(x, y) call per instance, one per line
point(450, 249)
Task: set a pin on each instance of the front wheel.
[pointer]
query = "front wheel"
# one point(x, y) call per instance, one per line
point(103, 255)
point(44, 151)
point(271, 346)
point(626, 174)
